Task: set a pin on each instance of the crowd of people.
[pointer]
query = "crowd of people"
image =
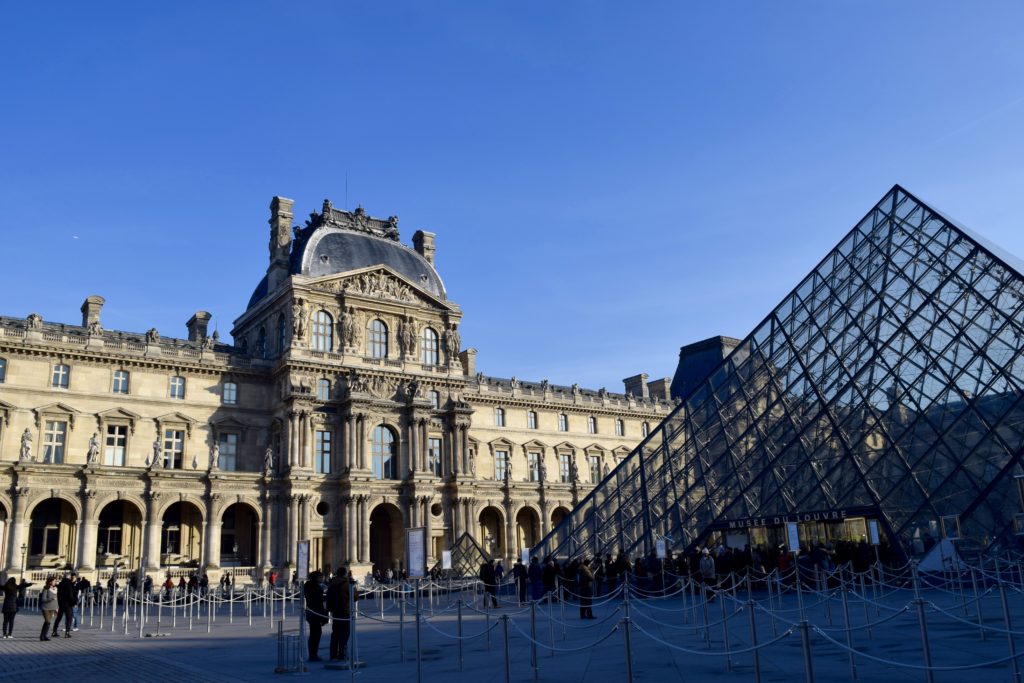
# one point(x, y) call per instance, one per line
point(60, 599)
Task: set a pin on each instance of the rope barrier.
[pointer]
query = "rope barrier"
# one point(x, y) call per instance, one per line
point(563, 649)
point(712, 653)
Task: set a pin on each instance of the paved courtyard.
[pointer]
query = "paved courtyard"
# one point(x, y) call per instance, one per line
point(668, 642)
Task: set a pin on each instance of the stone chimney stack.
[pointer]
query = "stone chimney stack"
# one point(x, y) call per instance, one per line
point(197, 325)
point(637, 385)
point(468, 360)
point(660, 388)
point(280, 241)
point(91, 309)
point(423, 242)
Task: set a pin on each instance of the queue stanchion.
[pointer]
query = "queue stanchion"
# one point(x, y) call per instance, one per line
point(849, 635)
point(628, 644)
point(551, 629)
point(231, 605)
point(864, 603)
point(725, 636)
point(459, 605)
point(126, 612)
point(752, 615)
point(209, 613)
point(1008, 625)
point(922, 625)
point(142, 613)
point(487, 617)
point(419, 653)
point(704, 611)
point(533, 639)
point(190, 608)
point(508, 663)
point(159, 610)
point(270, 599)
point(401, 628)
point(977, 604)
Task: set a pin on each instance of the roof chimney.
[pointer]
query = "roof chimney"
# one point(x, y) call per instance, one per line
point(280, 240)
point(659, 388)
point(197, 325)
point(637, 385)
point(423, 242)
point(91, 309)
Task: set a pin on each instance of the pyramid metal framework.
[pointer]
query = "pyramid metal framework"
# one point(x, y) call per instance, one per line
point(467, 556)
point(889, 383)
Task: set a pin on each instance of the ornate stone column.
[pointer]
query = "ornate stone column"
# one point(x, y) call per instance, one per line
point(454, 522)
point(413, 449)
point(361, 441)
point(266, 552)
point(470, 523)
point(154, 526)
point(293, 438)
point(293, 528)
point(19, 527)
point(212, 533)
point(364, 528)
point(351, 534)
point(428, 522)
point(307, 440)
point(304, 517)
point(87, 532)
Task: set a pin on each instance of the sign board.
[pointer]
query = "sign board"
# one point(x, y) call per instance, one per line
point(446, 559)
point(873, 531)
point(302, 560)
point(793, 537)
point(525, 557)
point(661, 548)
point(416, 544)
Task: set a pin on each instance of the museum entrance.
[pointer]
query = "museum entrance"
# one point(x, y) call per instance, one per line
point(386, 541)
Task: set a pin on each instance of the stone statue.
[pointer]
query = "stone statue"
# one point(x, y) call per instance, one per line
point(408, 337)
point(355, 382)
point(574, 472)
point(92, 456)
point(472, 464)
point(508, 472)
point(157, 461)
point(413, 389)
point(26, 447)
point(299, 315)
point(35, 321)
point(545, 386)
point(95, 328)
point(268, 460)
point(350, 328)
point(515, 382)
point(542, 469)
point(607, 470)
point(480, 378)
point(575, 389)
point(215, 457)
point(152, 336)
point(452, 342)
point(208, 342)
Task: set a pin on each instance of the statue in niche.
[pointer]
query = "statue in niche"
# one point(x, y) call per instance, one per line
point(607, 470)
point(412, 389)
point(472, 463)
point(26, 447)
point(408, 337)
point(92, 455)
point(152, 336)
point(452, 342)
point(574, 472)
point(268, 460)
point(215, 457)
point(542, 469)
point(349, 327)
point(157, 461)
point(299, 314)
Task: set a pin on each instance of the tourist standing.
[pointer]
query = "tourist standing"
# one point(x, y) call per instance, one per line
point(338, 604)
point(520, 575)
point(585, 583)
point(315, 613)
point(48, 606)
point(11, 603)
point(488, 579)
point(536, 575)
point(65, 604)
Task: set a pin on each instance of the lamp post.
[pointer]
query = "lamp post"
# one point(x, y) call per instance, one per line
point(24, 556)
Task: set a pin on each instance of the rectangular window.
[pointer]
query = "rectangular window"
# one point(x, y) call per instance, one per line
point(120, 382)
point(595, 468)
point(114, 448)
point(228, 445)
point(55, 435)
point(592, 425)
point(564, 469)
point(501, 465)
point(620, 428)
point(174, 448)
point(563, 423)
point(229, 394)
point(178, 387)
point(533, 461)
point(434, 456)
point(323, 390)
point(3, 370)
point(531, 420)
point(61, 376)
point(323, 452)
point(112, 546)
point(435, 400)
point(499, 417)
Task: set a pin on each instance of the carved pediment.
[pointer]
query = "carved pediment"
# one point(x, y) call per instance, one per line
point(176, 418)
point(501, 442)
point(378, 282)
point(116, 414)
point(596, 449)
point(535, 445)
point(621, 452)
point(60, 410)
point(566, 446)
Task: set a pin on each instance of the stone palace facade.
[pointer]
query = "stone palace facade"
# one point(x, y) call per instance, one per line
point(346, 411)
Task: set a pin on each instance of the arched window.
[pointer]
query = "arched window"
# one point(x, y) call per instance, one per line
point(620, 428)
point(592, 425)
point(645, 429)
point(323, 389)
point(377, 339)
point(563, 423)
point(499, 417)
point(429, 349)
point(322, 338)
point(282, 335)
point(384, 454)
point(261, 343)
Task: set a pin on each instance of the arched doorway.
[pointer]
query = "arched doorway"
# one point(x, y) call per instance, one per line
point(527, 529)
point(557, 515)
point(491, 537)
point(239, 540)
point(52, 536)
point(181, 542)
point(119, 535)
point(387, 546)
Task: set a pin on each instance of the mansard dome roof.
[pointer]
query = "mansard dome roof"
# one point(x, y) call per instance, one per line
point(336, 241)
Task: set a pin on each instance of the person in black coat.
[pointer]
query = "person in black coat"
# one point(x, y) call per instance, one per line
point(66, 599)
point(316, 613)
point(490, 581)
point(339, 605)
point(520, 575)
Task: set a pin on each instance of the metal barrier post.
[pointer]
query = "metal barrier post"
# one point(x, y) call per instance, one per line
point(209, 613)
point(487, 617)
point(864, 602)
point(849, 636)
point(508, 663)
point(419, 656)
point(753, 639)
point(629, 648)
point(1009, 633)
point(459, 604)
point(923, 624)
point(142, 610)
point(551, 629)
point(805, 642)
point(401, 629)
point(533, 638)
point(725, 636)
point(231, 605)
point(707, 630)
point(977, 603)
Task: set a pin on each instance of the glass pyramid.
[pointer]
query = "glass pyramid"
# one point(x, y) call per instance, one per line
point(467, 556)
point(889, 384)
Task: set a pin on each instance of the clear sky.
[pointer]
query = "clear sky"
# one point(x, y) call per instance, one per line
point(608, 181)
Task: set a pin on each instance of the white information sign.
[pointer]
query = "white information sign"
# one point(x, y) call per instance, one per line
point(446, 559)
point(661, 548)
point(873, 531)
point(416, 542)
point(302, 559)
point(793, 536)
point(526, 556)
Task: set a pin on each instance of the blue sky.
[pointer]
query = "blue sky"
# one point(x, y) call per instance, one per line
point(608, 181)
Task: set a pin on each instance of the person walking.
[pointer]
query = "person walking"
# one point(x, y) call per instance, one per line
point(11, 603)
point(315, 613)
point(586, 588)
point(65, 604)
point(48, 606)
